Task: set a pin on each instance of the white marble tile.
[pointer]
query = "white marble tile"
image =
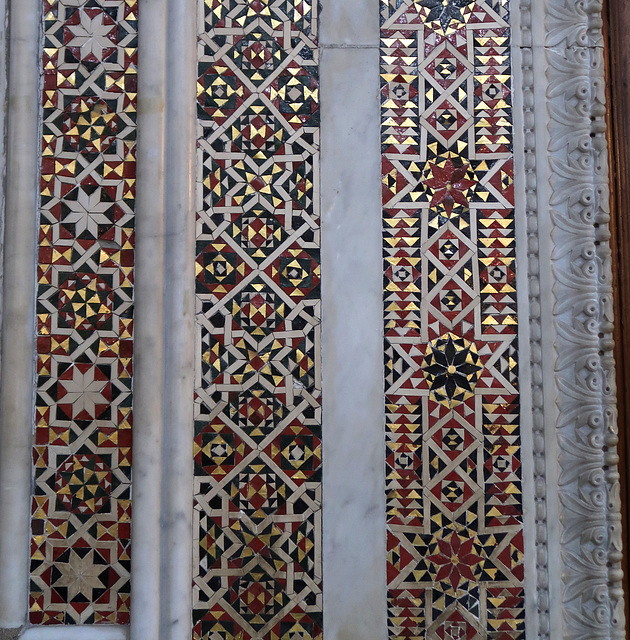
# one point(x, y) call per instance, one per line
point(353, 410)
point(351, 22)
point(76, 632)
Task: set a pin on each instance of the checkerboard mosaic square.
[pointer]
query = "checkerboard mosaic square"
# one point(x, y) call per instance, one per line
point(257, 448)
point(82, 465)
point(453, 481)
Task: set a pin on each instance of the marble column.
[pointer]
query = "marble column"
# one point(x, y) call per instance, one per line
point(148, 383)
point(18, 321)
point(3, 110)
point(163, 377)
point(179, 289)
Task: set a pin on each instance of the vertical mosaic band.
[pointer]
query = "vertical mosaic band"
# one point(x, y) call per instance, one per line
point(257, 449)
point(454, 508)
point(81, 503)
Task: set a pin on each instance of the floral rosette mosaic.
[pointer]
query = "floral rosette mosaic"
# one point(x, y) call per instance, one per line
point(454, 508)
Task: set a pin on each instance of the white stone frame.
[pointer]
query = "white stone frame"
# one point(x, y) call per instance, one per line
point(576, 522)
point(573, 538)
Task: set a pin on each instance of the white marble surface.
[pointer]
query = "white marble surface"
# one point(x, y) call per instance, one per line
point(148, 379)
point(18, 322)
point(352, 334)
point(76, 632)
point(164, 341)
point(179, 292)
point(349, 23)
point(354, 488)
point(550, 519)
point(3, 115)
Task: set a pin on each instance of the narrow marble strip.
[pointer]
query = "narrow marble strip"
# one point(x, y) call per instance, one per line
point(549, 515)
point(76, 632)
point(454, 508)
point(18, 321)
point(352, 346)
point(179, 291)
point(4, 50)
point(81, 506)
point(527, 285)
point(257, 448)
point(146, 583)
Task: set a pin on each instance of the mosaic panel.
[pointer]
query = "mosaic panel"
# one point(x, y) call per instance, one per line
point(257, 448)
point(81, 502)
point(454, 509)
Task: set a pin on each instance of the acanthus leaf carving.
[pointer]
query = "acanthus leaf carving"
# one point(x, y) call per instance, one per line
point(592, 598)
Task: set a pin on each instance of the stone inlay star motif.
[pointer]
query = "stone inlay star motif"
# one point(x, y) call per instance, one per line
point(449, 183)
point(94, 37)
point(451, 367)
point(457, 559)
point(82, 574)
point(83, 483)
point(85, 389)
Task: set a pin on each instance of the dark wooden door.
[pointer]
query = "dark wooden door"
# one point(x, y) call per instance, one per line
point(617, 33)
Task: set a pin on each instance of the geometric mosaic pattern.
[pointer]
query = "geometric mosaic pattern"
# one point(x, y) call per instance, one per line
point(81, 502)
point(257, 447)
point(453, 480)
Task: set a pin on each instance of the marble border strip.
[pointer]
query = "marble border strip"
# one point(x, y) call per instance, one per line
point(77, 632)
point(354, 549)
point(528, 376)
point(179, 327)
point(534, 166)
point(18, 322)
point(148, 382)
point(4, 33)
point(163, 377)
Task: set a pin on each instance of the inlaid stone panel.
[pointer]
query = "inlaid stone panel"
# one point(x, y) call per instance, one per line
point(82, 463)
point(257, 448)
point(453, 480)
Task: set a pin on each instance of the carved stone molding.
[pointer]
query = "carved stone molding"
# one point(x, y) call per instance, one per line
point(590, 542)
point(535, 326)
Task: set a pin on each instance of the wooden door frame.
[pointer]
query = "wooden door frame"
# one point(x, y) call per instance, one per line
point(617, 42)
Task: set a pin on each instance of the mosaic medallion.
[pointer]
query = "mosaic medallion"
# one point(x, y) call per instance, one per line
point(451, 368)
point(257, 447)
point(81, 504)
point(454, 510)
